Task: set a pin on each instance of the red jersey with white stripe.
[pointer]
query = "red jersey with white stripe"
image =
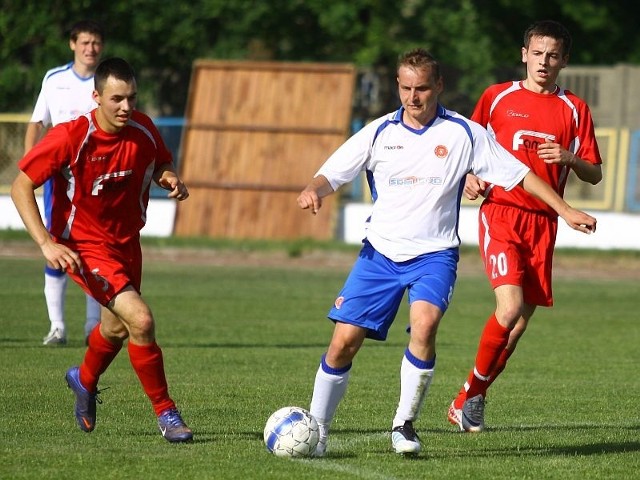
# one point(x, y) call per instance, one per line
point(520, 120)
point(101, 180)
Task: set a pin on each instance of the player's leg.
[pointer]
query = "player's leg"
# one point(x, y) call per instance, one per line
point(504, 267)
point(365, 307)
point(467, 410)
point(55, 284)
point(148, 363)
point(514, 337)
point(538, 241)
point(332, 377)
point(55, 287)
point(103, 344)
point(416, 373)
point(93, 313)
point(430, 289)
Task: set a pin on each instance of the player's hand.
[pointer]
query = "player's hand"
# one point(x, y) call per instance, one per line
point(60, 257)
point(309, 199)
point(474, 187)
point(550, 152)
point(580, 221)
point(177, 189)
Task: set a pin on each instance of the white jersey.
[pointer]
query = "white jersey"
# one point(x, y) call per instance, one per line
point(416, 178)
point(63, 96)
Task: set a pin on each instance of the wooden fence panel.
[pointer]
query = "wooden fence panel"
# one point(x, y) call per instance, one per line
point(255, 134)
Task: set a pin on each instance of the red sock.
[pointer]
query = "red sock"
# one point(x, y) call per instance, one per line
point(149, 366)
point(99, 355)
point(493, 341)
point(500, 365)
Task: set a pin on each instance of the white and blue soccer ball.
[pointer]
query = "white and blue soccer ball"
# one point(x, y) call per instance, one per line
point(291, 432)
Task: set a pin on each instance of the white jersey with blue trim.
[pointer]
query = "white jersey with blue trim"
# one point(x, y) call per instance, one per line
point(64, 96)
point(417, 177)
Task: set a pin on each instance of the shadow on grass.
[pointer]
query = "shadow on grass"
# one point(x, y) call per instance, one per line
point(584, 449)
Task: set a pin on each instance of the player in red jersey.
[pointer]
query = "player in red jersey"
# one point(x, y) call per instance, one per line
point(103, 163)
point(550, 130)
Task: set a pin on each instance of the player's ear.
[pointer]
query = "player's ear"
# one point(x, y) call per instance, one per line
point(96, 97)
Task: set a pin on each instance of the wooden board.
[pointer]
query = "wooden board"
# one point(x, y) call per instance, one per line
point(255, 134)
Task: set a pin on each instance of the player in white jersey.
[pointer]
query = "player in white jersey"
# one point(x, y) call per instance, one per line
point(67, 91)
point(416, 160)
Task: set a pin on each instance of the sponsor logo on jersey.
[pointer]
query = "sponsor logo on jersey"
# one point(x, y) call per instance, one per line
point(529, 139)
point(511, 113)
point(393, 147)
point(411, 181)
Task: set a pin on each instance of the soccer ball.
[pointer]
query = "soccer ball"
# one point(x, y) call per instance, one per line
point(291, 432)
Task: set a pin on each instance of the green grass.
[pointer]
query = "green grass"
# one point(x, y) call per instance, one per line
point(241, 342)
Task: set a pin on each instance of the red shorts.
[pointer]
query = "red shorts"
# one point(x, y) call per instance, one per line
point(516, 247)
point(107, 270)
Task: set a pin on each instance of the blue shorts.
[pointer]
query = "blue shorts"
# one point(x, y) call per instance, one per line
point(372, 293)
point(47, 198)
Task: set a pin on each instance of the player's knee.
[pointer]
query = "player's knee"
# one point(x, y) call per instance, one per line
point(114, 332)
point(143, 324)
point(424, 328)
point(340, 355)
point(509, 314)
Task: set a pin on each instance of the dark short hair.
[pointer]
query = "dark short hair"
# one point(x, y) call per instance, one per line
point(420, 58)
point(549, 28)
point(113, 67)
point(86, 26)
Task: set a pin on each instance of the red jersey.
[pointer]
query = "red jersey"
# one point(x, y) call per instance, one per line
point(100, 180)
point(520, 120)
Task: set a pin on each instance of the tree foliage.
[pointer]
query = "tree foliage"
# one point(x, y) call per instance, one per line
point(477, 41)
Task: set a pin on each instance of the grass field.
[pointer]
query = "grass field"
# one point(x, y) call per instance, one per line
point(242, 341)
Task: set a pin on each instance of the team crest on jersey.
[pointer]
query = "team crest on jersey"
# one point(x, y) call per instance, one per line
point(441, 151)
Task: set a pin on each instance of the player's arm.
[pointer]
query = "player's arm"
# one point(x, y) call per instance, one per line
point(312, 195)
point(58, 256)
point(474, 186)
point(589, 172)
point(166, 177)
point(586, 171)
point(33, 135)
point(576, 219)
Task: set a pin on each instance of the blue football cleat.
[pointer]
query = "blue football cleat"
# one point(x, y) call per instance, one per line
point(85, 408)
point(172, 427)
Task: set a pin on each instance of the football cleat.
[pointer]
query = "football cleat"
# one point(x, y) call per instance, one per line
point(405, 439)
point(454, 415)
point(469, 418)
point(172, 427)
point(56, 336)
point(85, 408)
point(321, 447)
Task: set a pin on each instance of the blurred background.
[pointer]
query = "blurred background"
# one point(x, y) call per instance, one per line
point(478, 43)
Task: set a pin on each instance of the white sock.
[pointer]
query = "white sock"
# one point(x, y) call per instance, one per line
point(55, 288)
point(414, 386)
point(328, 390)
point(93, 315)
